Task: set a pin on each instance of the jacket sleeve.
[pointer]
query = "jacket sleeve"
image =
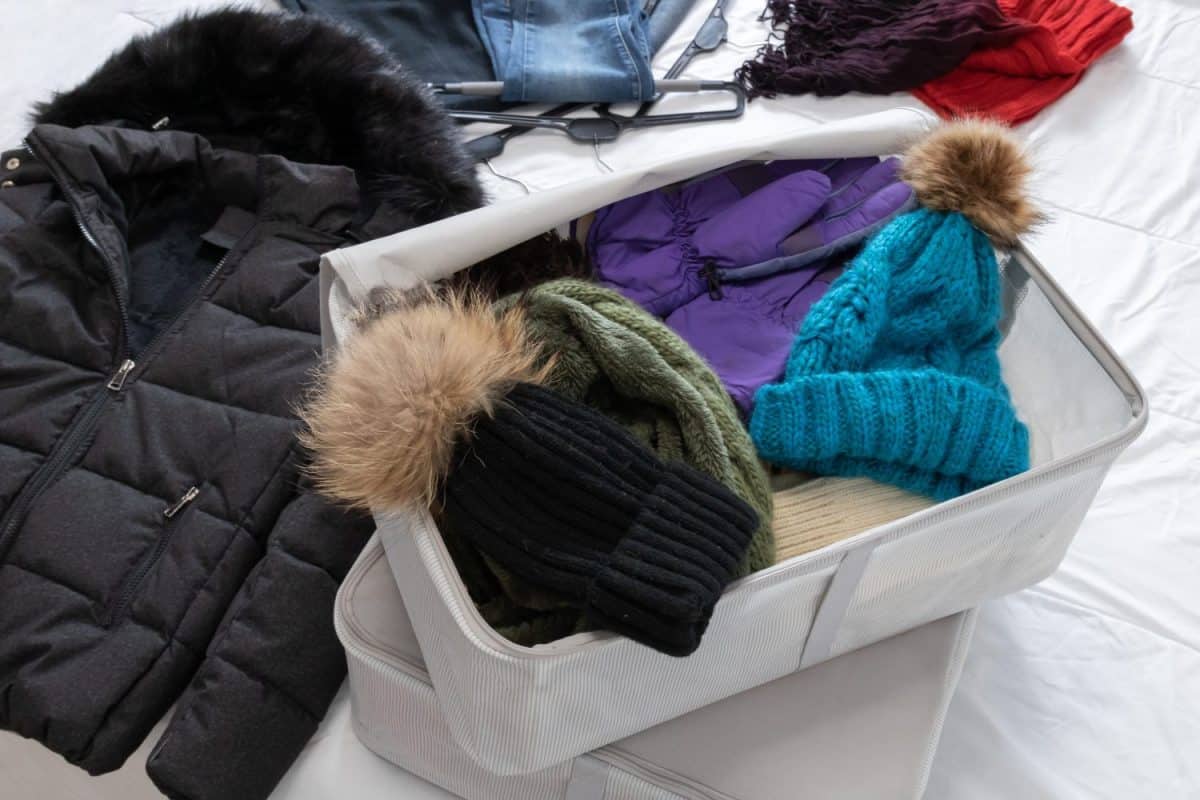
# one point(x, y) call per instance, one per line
point(273, 666)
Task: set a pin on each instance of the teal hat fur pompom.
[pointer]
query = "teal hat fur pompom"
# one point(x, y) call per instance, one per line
point(894, 374)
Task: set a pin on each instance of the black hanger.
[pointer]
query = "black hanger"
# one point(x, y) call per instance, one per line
point(712, 34)
point(609, 125)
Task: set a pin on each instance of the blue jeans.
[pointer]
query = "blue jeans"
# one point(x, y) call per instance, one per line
point(560, 51)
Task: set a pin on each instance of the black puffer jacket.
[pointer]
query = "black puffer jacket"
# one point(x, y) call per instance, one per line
point(158, 322)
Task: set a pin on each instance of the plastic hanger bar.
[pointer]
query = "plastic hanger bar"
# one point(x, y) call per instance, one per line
point(496, 88)
point(609, 125)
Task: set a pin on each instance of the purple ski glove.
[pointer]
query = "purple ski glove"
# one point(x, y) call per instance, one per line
point(746, 335)
point(857, 206)
point(866, 194)
point(733, 261)
point(661, 251)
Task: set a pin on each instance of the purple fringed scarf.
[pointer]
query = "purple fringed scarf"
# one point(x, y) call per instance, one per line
point(831, 47)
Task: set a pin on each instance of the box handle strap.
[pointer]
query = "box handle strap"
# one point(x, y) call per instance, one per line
point(835, 604)
point(589, 779)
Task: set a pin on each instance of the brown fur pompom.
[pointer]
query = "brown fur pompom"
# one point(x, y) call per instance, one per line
point(391, 408)
point(978, 168)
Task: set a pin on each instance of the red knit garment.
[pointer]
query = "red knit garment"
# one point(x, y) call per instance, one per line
point(1015, 81)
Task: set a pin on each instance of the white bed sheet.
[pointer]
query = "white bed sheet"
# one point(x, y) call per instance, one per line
point(1085, 686)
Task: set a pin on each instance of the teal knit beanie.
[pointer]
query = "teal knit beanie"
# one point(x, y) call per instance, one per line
point(894, 374)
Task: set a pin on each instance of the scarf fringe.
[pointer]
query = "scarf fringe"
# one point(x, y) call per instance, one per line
point(830, 47)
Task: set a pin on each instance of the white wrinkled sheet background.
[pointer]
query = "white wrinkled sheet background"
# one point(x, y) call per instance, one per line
point(1085, 686)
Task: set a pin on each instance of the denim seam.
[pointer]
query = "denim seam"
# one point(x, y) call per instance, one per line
point(635, 83)
point(527, 49)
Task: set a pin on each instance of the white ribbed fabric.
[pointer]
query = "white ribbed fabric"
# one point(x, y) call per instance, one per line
point(802, 735)
point(519, 710)
point(589, 779)
point(623, 786)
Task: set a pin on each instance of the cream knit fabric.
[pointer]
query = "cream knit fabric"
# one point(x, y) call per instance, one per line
point(821, 511)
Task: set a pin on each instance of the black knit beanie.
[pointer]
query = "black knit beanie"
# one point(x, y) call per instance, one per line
point(439, 403)
point(568, 500)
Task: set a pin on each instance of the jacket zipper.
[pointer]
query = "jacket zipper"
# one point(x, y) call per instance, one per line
point(86, 232)
point(59, 459)
point(82, 426)
point(188, 496)
point(85, 421)
point(130, 589)
point(117, 381)
point(153, 344)
point(128, 365)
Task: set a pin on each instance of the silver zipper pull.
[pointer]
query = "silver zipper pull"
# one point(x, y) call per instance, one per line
point(117, 381)
point(178, 505)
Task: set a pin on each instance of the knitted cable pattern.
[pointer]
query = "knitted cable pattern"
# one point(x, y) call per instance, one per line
point(895, 375)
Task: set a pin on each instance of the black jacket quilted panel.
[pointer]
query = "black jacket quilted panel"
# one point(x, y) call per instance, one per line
point(158, 323)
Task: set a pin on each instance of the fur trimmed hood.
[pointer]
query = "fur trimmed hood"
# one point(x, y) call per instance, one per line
point(291, 85)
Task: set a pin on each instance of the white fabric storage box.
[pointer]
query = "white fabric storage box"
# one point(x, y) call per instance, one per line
point(518, 710)
point(865, 725)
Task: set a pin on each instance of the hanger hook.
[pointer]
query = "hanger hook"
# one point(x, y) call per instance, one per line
point(596, 153)
point(747, 45)
point(487, 162)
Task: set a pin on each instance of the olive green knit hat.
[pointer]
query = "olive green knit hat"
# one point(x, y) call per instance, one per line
point(617, 358)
